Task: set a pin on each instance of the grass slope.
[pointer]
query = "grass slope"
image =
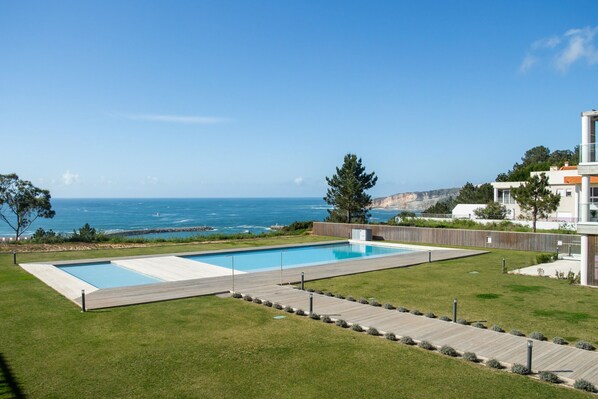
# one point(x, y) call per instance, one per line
point(214, 347)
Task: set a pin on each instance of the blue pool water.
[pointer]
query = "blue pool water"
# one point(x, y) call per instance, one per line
point(107, 275)
point(261, 260)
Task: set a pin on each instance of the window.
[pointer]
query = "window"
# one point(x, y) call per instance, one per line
point(568, 193)
point(504, 197)
point(594, 194)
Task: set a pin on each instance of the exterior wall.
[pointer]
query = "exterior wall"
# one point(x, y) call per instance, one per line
point(467, 238)
point(592, 261)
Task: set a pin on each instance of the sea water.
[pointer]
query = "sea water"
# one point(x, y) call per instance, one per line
point(225, 215)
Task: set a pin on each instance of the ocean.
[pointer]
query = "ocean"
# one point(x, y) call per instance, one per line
point(225, 215)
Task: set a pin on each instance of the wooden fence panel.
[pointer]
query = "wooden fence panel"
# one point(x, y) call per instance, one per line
point(538, 242)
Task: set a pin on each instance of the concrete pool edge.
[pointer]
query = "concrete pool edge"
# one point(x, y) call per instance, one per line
point(70, 287)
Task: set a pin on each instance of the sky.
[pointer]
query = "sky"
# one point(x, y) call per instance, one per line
point(264, 98)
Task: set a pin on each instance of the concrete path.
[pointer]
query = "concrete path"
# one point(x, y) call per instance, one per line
point(565, 361)
point(550, 269)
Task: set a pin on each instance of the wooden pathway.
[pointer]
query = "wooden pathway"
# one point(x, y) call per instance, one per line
point(112, 297)
point(567, 362)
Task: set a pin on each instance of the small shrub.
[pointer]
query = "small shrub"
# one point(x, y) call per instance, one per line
point(402, 309)
point(517, 333)
point(375, 303)
point(363, 301)
point(356, 327)
point(545, 258)
point(495, 364)
point(430, 315)
point(519, 369)
point(537, 336)
point(257, 300)
point(267, 303)
point(314, 316)
point(448, 351)
point(319, 292)
point(478, 324)
point(416, 312)
point(350, 298)
point(497, 328)
point(584, 345)
point(407, 340)
point(289, 309)
point(463, 322)
point(329, 294)
point(247, 298)
point(299, 312)
point(326, 319)
point(549, 377)
point(340, 296)
point(237, 295)
point(373, 331)
point(390, 336)
point(388, 306)
point(559, 341)
point(584, 385)
point(277, 306)
point(470, 357)
point(310, 290)
point(426, 345)
point(341, 323)
point(444, 318)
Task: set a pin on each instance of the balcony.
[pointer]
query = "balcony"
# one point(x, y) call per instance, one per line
point(588, 159)
point(588, 218)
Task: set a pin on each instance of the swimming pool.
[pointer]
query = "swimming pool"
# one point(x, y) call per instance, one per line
point(270, 259)
point(107, 275)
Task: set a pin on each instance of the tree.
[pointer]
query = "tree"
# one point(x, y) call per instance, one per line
point(346, 192)
point(471, 194)
point(539, 159)
point(492, 211)
point(21, 203)
point(534, 196)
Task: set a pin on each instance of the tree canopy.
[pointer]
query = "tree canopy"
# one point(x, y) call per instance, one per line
point(534, 197)
point(469, 194)
point(347, 192)
point(21, 203)
point(539, 159)
point(492, 211)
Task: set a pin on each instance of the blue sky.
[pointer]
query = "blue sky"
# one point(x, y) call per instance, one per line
point(264, 98)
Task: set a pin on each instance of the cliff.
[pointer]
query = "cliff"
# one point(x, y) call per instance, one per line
point(417, 201)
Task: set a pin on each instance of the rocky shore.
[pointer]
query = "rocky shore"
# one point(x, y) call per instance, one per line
point(139, 232)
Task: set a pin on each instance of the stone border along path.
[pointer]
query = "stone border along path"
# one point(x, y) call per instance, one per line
point(567, 362)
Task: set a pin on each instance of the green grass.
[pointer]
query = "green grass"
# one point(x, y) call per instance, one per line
point(511, 301)
point(214, 347)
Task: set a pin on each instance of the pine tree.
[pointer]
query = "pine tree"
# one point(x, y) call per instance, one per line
point(534, 196)
point(346, 192)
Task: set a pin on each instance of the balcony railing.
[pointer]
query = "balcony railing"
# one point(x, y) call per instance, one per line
point(588, 153)
point(588, 213)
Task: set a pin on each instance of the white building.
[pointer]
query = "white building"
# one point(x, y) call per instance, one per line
point(565, 182)
point(587, 226)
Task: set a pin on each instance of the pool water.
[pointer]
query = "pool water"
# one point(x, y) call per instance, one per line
point(270, 259)
point(107, 275)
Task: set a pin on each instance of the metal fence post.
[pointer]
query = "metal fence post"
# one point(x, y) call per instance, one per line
point(455, 310)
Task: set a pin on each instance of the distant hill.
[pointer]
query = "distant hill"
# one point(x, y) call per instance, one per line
point(415, 201)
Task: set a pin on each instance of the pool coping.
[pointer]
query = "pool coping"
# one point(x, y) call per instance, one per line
point(71, 287)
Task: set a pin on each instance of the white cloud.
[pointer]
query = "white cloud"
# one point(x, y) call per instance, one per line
point(298, 180)
point(575, 45)
point(69, 178)
point(151, 180)
point(184, 119)
point(527, 63)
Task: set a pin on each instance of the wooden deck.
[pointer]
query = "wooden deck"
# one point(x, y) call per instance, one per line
point(112, 297)
point(567, 362)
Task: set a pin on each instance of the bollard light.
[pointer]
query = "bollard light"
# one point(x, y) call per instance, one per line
point(83, 307)
point(429, 256)
point(311, 304)
point(504, 266)
point(530, 345)
point(455, 310)
point(302, 281)
point(14, 257)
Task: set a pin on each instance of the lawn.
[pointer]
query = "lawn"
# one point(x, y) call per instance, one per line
point(525, 303)
point(220, 347)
